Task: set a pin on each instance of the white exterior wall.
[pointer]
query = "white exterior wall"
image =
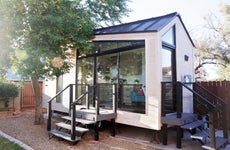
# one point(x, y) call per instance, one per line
point(185, 68)
point(49, 91)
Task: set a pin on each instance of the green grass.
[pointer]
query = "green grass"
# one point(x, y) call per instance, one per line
point(7, 145)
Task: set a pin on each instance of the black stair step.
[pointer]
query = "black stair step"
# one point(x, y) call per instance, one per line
point(193, 125)
point(201, 135)
point(220, 142)
point(64, 135)
point(68, 126)
point(83, 121)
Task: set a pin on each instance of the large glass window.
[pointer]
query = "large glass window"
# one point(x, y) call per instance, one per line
point(167, 65)
point(85, 71)
point(117, 62)
point(107, 69)
point(169, 68)
point(169, 36)
point(132, 81)
point(102, 46)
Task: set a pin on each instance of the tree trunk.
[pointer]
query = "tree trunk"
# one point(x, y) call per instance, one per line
point(38, 102)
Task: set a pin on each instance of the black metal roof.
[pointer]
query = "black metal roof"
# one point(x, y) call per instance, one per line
point(152, 24)
point(147, 25)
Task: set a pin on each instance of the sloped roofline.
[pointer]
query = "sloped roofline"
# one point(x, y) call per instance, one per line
point(154, 24)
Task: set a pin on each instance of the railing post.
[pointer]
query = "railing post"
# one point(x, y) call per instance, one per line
point(114, 98)
point(97, 100)
point(162, 98)
point(70, 97)
point(73, 122)
point(49, 116)
point(179, 101)
point(212, 130)
point(87, 96)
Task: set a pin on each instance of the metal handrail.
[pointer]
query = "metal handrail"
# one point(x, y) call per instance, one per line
point(210, 93)
point(200, 96)
point(73, 111)
point(211, 105)
point(60, 92)
point(214, 106)
point(83, 95)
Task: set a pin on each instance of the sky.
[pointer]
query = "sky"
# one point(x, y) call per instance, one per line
point(192, 11)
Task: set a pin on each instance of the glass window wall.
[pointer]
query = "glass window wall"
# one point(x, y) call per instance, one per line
point(121, 63)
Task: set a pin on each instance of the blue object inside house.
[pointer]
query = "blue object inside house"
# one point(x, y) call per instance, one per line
point(136, 98)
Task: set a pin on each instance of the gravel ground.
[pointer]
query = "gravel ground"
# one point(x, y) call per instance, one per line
point(21, 127)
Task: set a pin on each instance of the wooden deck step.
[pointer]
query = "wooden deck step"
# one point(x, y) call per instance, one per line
point(68, 126)
point(64, 135)
point(201, 135)
point(193, 125)
point(220, 142)
point(83, 121)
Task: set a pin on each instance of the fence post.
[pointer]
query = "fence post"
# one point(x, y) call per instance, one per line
point(212, 130)
point(224, 121)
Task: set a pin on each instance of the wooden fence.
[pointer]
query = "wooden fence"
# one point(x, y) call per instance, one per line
point(222, 90)
point(27, 96)
point(25, 99)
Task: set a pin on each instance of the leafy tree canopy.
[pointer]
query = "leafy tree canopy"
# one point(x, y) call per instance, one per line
point(49, 29)
point(215, 47)
point(46, 33)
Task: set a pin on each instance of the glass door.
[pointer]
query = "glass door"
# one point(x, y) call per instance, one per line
point(168, 77)
point(107, 74)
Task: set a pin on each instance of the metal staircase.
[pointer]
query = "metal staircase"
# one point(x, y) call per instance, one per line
point(82, 118)
point(206, 105)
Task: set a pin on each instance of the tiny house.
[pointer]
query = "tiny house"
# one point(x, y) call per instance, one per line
point(139, 74)
point(136, 57)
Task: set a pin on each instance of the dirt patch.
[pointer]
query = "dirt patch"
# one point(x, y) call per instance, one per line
point(21, 127)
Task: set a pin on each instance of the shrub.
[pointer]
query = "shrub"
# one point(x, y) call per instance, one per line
point(7, 90)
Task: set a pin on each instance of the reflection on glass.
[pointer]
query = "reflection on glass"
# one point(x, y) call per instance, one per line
point(85, 71)
point(107, 68)
point(132, 81)
point(166, 65)
point(168, 37)
point(168, 100)
point(114, 45)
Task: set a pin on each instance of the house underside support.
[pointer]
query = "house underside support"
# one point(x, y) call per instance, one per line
point(96, 131)
point(164, 134)
point(179, 135)
point(113, 127)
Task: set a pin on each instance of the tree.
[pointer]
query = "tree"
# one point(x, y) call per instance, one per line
point(5, 50)
point(45, 33)
point(215, 47)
